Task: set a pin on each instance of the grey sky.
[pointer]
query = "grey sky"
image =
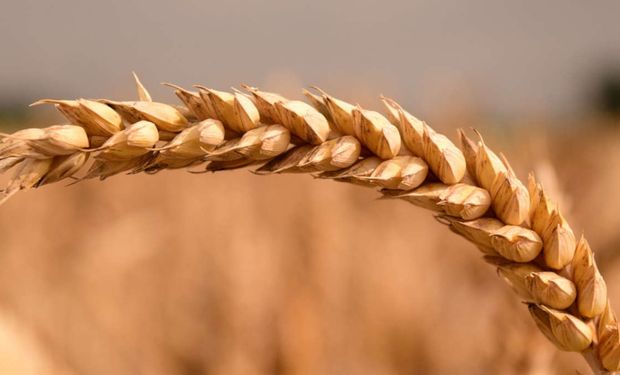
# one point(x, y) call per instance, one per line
point(509, 55)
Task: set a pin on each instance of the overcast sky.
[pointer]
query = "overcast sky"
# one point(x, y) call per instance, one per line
point(508, 56)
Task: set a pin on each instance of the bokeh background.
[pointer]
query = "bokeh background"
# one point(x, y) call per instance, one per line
point(238, 274)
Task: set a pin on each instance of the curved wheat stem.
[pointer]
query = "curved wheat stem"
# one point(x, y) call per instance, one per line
point(472, 190)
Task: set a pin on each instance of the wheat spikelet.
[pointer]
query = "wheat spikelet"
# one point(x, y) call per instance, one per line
point(472, 190)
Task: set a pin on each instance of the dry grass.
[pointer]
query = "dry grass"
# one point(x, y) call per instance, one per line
point(460, 207)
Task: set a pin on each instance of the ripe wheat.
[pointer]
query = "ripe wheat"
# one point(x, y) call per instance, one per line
point(471, 189)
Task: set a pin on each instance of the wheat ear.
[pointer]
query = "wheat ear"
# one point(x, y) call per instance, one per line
point(472, 190)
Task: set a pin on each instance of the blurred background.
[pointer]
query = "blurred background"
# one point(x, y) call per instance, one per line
point(239, 274)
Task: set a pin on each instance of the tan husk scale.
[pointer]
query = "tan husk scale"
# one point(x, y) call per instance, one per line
point(471, 189)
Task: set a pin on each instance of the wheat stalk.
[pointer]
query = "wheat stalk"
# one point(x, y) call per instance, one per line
point(472, 189)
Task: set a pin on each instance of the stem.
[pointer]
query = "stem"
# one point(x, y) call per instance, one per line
point(596, 366)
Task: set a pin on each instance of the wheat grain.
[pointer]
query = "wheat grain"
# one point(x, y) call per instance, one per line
point(473, 190)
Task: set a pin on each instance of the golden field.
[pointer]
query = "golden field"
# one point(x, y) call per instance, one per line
point(232, 273)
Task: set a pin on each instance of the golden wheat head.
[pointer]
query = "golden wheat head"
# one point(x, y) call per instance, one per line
point(471, 189)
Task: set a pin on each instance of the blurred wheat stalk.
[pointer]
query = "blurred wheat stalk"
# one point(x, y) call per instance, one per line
point(472, 189)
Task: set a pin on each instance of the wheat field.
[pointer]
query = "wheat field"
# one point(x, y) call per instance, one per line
point(234, 273)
